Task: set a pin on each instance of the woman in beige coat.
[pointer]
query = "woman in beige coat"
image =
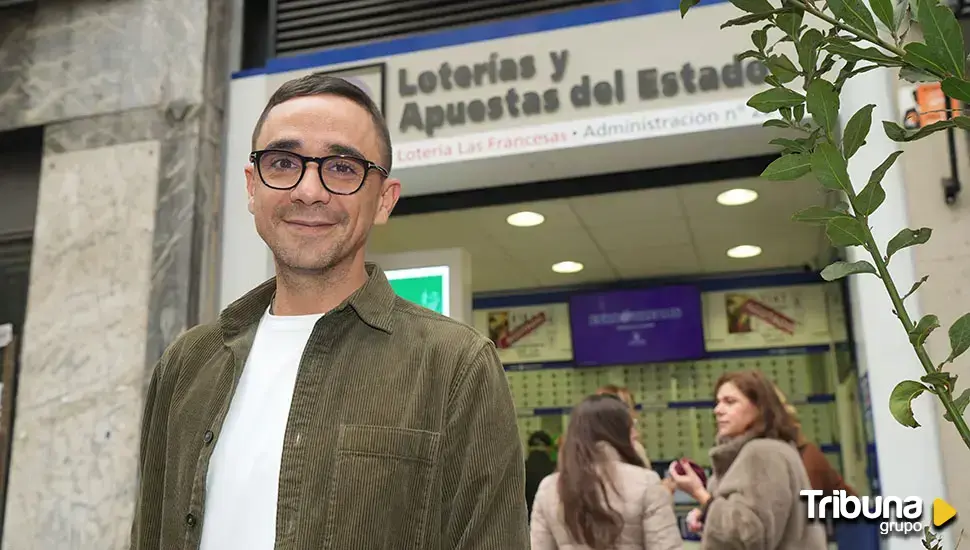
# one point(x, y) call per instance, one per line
point(603, 497)
point(752, 501)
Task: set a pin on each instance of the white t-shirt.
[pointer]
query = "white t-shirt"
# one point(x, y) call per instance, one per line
point(242, 485)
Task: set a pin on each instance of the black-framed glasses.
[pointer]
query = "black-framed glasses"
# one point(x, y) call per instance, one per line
point(340, 174)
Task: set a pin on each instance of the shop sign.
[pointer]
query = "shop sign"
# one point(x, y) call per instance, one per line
point(542, 84)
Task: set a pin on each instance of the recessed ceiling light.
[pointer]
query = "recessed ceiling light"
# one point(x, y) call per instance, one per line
point(525, 219)
point(737, 197)
point(567, 267)
point(744, 251)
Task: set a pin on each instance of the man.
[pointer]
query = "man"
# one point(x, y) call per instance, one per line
point(322, 411)
point(538, 465)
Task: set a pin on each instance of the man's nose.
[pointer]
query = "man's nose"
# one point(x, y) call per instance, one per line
point(311, 188)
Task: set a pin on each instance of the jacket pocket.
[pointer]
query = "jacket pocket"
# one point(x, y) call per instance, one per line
point(381, 488)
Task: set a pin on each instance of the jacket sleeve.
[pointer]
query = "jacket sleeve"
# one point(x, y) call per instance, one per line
point(146, 529)
point(541, 532)
point(752, 505)
point(660, 529)
point(483, 485)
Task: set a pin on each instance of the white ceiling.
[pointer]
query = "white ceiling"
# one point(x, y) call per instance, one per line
point(626, 235)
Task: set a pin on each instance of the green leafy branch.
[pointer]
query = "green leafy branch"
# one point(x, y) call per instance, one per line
point(822, 61)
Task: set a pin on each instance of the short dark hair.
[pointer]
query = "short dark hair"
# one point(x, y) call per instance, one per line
point(320, 83)
point(540, 439)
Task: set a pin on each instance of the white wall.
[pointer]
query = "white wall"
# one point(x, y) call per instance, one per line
point(882, 347)
point(246, 260)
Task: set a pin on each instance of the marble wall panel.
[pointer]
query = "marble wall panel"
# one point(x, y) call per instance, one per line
point(72, 472)
point(64, 59)
point(80, 456)
point(186, 239)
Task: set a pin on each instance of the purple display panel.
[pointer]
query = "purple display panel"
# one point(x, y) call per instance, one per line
point(637, 326)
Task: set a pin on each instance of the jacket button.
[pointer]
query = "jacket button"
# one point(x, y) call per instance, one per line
point(207, 437)
point(190, 520)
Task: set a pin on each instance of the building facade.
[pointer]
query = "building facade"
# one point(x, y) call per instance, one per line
point(142, 230)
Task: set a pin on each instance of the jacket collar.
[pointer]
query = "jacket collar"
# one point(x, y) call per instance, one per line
point(726, 450)
point(373, 303)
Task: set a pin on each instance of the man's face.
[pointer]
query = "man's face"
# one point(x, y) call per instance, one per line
point(307, 227)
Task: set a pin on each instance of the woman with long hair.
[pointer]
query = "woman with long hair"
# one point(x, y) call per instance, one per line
point(627, 397)
point(753, 499)
point(821, 474)
point(603, 497)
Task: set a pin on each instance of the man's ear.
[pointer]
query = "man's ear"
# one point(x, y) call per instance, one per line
point(390, 193)
point(251, 187)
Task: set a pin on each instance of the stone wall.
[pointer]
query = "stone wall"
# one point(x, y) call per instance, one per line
point(131, 94)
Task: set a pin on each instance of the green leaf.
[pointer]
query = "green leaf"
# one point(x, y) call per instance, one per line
point(851, 52)
point(774, 82)
point(880, 171)
point(854, 13)
point(789, 145)
point(686, 5)
point(807, 49)
point(846, 231)
point(775, 123)
point(959, 337)
point(884, 11)
point(901, 402)
point(799, 112)
point(753, 6)
point(790, 23)
point(957, 88)
point(923, 328)
point(760, 39)
point(856, 131)
point(782, 67)
point(831, 168)
point(914, 75)
point(922, 57)
point(960, 403)
point(822, 102)
point(869, 199)
point(896, 132)
point(750, 54)
point(961, 122)
point(771, 100)
point(907, 238)
point(747, 19)
point(939, 378)
point(838, 270)
point(916, 285)
point(942, 34)
point(817, 215)
point(788, 167)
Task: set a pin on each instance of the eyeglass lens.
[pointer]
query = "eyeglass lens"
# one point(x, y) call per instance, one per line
point(282, 170)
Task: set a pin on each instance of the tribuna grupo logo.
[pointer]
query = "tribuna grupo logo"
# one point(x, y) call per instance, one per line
point(895, 515)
